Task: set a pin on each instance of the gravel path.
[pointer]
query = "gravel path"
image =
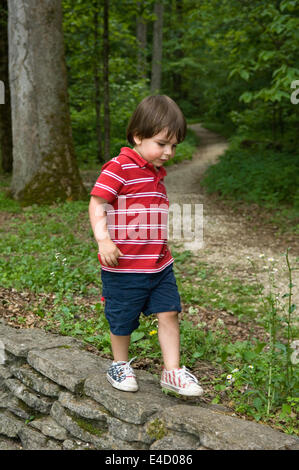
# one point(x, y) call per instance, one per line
point(230, 235)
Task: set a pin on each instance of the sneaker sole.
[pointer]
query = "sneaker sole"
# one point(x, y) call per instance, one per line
point(119, 386)
point(184, 392)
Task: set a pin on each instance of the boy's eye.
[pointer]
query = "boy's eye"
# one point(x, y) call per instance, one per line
point(163, 145)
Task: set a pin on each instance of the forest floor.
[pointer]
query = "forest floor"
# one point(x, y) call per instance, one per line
point(232, 231)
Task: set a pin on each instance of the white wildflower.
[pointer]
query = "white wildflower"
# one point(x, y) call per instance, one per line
point(262, 255)
point(192, 310)
point(230, 378)
point(250, 367)
point(271, 260)
point(235, 370)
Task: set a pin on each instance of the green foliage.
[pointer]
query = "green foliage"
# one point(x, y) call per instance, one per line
point(262, 176)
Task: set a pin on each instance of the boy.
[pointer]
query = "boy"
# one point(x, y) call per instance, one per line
point(137, 274)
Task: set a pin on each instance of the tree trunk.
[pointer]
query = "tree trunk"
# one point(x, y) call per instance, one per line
point(179, 54)
point(97, 82)
point(44, 165)
point(141, 28)
point(106, 82)
point(157, 48)
point(5, 108)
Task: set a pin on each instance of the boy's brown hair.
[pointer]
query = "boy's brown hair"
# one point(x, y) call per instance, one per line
point(152, 115)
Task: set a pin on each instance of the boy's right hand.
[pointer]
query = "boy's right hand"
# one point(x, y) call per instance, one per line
point(109, 252)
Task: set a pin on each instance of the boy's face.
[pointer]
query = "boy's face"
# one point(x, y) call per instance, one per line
point(157, 149)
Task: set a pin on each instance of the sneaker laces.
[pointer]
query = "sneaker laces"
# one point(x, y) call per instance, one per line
point(186, 375)
point(125, 367)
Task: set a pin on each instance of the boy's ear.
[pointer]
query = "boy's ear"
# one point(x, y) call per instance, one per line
point(137, 139)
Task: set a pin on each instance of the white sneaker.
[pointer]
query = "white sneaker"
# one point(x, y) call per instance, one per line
point(121, 376)
point(181, 381)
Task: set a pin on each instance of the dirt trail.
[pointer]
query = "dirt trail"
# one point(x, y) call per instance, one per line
point(230, 235)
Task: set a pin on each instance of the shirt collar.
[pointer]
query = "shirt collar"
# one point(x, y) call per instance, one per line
point(140, 161)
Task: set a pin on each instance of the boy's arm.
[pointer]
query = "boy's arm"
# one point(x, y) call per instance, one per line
point(97, 215)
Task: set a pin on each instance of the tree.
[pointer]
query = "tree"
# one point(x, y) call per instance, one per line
point(157, 48)
point(44, 165)
point(5, 109)
point(97, 82)
point(106, 81)
point(141, 28)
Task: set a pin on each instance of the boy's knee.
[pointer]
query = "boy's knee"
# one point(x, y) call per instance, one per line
point(167, 316)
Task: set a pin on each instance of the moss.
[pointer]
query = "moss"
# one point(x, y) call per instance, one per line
point(156, 429)
point(33, 414)
point(56, 180)
point(88, 425)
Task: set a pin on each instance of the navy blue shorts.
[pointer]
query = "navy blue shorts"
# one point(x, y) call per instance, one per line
point(127, 295)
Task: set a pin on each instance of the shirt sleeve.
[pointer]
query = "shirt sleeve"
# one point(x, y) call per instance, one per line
point(110, 181)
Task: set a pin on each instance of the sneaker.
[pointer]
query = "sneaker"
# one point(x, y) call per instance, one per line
point(181, 381)
point(121, 376)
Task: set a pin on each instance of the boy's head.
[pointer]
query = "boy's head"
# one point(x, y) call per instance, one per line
point(155, 114)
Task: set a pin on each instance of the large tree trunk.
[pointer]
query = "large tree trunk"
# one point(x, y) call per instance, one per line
point(44, 165)
point(5, 109)
point(157, 48)
point(106, 82)
point(141, 28)
point(179, 53)
point(97, 82)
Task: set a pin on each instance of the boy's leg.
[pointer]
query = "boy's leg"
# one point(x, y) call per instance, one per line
point(173, 377)
point(169, 338)
point(120, 374)
point(120, 347)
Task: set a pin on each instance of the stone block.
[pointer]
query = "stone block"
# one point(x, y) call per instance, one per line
point(131, 407)
point(84, 407)
point(4, 372)
point(35, 381)
point(48, 427)
point(176, 441)
point(87, 430)
point(68, 367)
point(20, 341)
point(11, 403)
point(9, 444)
point(128, 432)
point(34, 440)
point(39, 403)
point(218, 431)
point(76, 427)
point(9, 424)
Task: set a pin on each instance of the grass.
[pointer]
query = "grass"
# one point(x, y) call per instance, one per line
point(263, 177)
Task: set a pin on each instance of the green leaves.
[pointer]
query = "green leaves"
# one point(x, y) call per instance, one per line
point(136, 336)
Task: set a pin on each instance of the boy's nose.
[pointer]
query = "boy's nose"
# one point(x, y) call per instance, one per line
point(167, 151)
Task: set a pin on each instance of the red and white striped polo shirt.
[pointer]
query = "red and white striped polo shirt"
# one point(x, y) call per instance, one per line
point(137, 212)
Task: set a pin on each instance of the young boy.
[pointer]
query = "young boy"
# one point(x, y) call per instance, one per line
point(128, 214)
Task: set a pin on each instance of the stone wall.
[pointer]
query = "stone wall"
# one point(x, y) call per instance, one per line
point(54, 395)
